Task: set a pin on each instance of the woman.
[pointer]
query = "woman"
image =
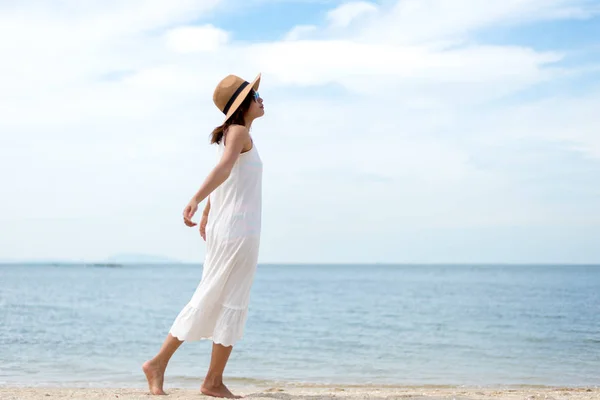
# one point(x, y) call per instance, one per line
point(230, 225)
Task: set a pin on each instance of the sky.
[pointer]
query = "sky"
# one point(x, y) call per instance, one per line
point(396, 131)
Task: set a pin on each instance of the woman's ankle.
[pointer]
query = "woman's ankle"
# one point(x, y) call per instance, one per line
point(212, 381)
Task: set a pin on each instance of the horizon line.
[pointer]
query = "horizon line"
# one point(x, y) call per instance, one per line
point(295, 263)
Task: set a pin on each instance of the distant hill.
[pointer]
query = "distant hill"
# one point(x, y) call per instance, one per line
point(140, 259)
point(117, 259)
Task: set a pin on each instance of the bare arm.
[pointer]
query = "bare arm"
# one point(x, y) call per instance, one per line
point(236, 138)
point(204, 220)
point(206, 208)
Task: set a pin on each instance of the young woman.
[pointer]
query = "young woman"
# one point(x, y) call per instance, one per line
point(230, 225)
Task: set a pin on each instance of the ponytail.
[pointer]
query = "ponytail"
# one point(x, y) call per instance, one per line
point(217, 134)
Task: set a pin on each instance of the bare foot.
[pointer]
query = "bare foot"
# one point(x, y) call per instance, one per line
point(155, 375)
point(218, 391)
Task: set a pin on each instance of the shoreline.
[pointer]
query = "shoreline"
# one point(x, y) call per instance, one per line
point(312, 392)
point(185, 383)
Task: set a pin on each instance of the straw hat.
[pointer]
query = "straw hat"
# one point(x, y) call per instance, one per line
point(231, 92)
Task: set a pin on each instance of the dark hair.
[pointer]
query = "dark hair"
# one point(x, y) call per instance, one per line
point(236, 119)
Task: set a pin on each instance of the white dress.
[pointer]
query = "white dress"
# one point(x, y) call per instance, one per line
point(219, 307)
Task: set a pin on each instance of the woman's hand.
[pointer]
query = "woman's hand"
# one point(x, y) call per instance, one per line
point(189, 212)
point(203, 223)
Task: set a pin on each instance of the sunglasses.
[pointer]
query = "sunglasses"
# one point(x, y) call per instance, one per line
point(255, 95)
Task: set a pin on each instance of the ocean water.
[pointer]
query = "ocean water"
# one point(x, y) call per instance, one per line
point(322, 324)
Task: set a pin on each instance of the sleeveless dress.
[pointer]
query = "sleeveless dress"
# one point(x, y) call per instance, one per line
point(218, 308)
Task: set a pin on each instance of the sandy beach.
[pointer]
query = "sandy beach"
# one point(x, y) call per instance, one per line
point(316, 393)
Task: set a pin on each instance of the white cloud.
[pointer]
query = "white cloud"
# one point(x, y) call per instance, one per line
point(300, 32)
point(192, 39)
point(571, 122)
point(345, 14)
point(419, 21)
point(372, 68)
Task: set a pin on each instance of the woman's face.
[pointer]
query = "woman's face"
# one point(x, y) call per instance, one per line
point(256, 109)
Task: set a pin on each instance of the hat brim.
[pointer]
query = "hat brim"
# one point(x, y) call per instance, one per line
point(240, 99)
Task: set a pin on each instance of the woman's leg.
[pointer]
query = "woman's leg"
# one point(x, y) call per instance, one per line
point(213, 383)
point(155, 368)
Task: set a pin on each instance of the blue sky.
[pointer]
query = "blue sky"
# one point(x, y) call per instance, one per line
point(265, 21)
point(395, 131)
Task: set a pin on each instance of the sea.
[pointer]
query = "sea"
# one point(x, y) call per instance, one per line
point(410, 325)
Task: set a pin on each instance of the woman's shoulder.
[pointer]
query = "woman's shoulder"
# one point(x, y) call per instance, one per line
point(237, 128)
point(238, 131)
